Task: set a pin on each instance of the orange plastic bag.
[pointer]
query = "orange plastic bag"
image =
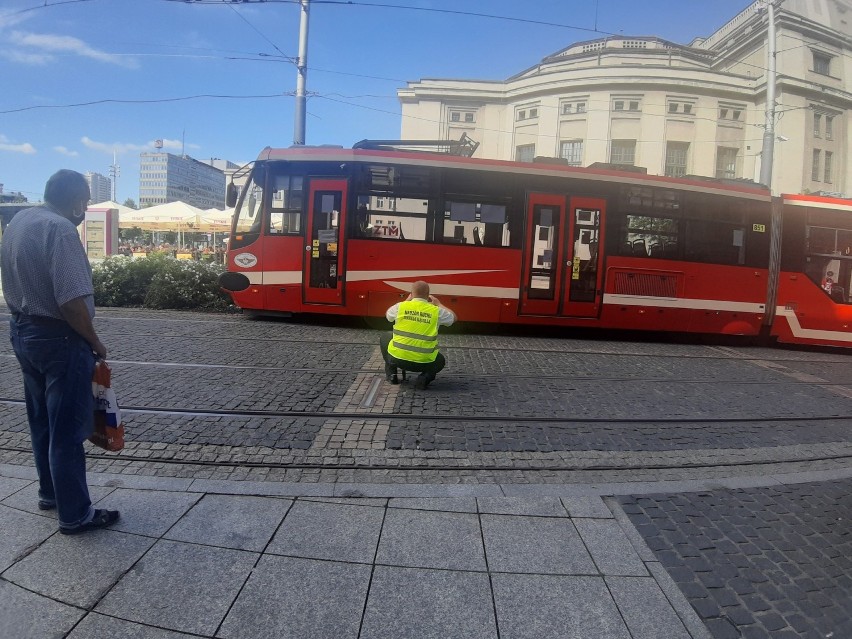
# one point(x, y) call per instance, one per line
point(109, 431)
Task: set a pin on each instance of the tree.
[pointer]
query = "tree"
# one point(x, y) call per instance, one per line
point(131, 234)
point(129, 203)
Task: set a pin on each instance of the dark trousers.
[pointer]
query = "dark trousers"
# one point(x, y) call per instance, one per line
point(430, 368)
point(57, 365)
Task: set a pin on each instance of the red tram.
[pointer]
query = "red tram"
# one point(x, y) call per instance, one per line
point(346, 231)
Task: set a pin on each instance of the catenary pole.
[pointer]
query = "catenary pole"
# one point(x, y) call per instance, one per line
point(302, 71)
point(767, 155)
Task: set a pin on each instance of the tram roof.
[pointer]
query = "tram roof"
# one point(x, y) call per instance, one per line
point(818, 202)
point(436, 160)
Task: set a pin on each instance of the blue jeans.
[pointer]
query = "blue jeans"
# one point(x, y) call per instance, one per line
point(57, 365)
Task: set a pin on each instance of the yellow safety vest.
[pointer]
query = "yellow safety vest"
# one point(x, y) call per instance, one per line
point(415, 332)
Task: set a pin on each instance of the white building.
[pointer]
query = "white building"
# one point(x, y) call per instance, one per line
point(100, 187)
point(676, 110)
point(164, 178)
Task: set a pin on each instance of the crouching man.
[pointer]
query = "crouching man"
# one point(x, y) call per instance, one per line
point(413, 345)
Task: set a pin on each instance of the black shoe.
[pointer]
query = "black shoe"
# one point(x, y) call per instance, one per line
point(423, 380)
point(102, 519)
point(46, 504)
point(390, 373)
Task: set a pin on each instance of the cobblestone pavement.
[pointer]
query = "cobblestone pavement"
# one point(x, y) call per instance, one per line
point(757, 563)
point(710, 440)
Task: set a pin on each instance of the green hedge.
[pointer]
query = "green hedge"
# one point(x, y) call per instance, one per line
point(159, 281)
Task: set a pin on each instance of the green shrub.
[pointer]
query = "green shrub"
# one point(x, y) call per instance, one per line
point(159, 281)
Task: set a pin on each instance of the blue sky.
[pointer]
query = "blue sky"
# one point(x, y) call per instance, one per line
point(149, 53)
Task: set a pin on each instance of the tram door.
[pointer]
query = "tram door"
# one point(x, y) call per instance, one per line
point(561, 257)
point(583, 291)
point(322, 281)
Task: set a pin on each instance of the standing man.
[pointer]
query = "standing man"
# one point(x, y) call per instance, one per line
point(47, 282)
point(413, 345)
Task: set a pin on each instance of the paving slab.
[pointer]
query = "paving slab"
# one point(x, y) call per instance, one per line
point(447, 504)
point(645, 609)
point(26, 499)
point(19, 472)
point(556, 607)
point(340, 532)
point(290, 598)
point(431, 539)
point(230, 521)
point(427, 604)
point(95, 626)
point(78, 569)
point(11, 485)
point(378, 502)
point(539, 506)
point(610, 548)
point(147, 512)
point(264, 488)
point(20, 534)
point(26, 615)
point(534, 545)
point(587, 507)
point(142, 482)
point(180, 586)
point(417, 490)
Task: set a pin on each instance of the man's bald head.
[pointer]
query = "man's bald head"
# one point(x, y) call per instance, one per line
point(420, 289)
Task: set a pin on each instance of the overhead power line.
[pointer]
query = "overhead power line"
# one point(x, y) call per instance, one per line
point(148, 101)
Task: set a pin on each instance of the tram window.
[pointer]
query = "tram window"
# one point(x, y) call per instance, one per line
point(822, 240)
point(650, 198)
point(829, 258)
point(413, 179)
point(248, 216)
point(832, 275)
point(715, 243)
point(844, 242)
point(286, 208)
point(646, 236)
point(387, 217)
point(476, 223)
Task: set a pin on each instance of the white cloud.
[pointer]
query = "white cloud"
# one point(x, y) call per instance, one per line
point(25, 148)
point(65, 151)
point(11, 18)
point(43, 45)
point(176, 145)
point(125, 147)
point(117, 147)
point(35, 59)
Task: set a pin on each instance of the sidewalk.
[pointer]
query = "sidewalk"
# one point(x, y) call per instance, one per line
point(202, 558)
point(195, 560)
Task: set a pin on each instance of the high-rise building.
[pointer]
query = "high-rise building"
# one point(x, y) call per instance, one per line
point(164, 178)
point(673, 109)
point(100, 187)
point(228, 169)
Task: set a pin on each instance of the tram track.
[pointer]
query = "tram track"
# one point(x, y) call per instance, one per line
point(434, 417)
point(370, 463)
point(479, 347)
point(478, 376)
point(721, 356)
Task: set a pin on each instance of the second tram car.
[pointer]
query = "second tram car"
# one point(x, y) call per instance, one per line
point(346, 231)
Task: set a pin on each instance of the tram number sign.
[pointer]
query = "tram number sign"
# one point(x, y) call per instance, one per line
point(758, 228)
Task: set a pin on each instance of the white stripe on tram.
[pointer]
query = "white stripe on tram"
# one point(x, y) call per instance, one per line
point(360, 276)
point(811, 333)
point(682, 302)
